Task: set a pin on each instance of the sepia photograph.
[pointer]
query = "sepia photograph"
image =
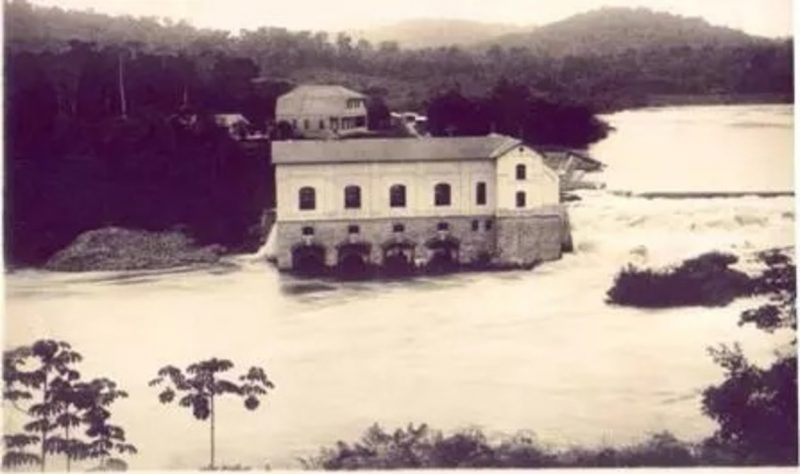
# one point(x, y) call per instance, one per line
point(250, 235)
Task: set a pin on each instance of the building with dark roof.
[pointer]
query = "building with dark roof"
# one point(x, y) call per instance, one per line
point(415, 202)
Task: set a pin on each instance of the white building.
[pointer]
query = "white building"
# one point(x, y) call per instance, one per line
point(482, 199)
point(322, 111)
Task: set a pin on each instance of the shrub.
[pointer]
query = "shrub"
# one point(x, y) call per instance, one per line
point(706, 280)
point(421, 447)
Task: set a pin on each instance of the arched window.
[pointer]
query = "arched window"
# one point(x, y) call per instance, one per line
point(307, 198)
point(480, 193)
point(352, 197)
point(520, 198)
point(521, 172)
point(441, 194)
point(397, 195)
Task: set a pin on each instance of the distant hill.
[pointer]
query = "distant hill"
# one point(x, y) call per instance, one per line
point(436, 32)
point(614, 30)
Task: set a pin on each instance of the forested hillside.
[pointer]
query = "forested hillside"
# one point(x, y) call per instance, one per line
point(609, 59)
point(609, 31)
point(109, 120)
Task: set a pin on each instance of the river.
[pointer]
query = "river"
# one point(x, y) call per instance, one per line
point(537, 350)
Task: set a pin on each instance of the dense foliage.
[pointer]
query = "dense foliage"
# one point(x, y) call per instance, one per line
point(511, 109)
point(109, 120)
point(706, 280)
point(116, 137)
point(426, 448)
point(66, 415)
point(607, 59)
point(755, 407)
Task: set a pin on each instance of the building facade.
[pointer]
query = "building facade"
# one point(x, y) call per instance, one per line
point(414, 202)
point(321, 111)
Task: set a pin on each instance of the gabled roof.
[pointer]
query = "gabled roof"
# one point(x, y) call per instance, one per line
point(392, 149)
point(315, 99)
point(555, 156)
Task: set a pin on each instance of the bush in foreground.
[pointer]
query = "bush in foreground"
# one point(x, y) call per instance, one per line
point(422, 447)
point(706, 280)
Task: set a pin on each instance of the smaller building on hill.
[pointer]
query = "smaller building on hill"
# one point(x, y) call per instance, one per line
point(322, 111)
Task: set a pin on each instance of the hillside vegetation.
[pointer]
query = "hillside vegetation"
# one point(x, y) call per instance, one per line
point(609, 31)
point(109, 119)
point(609, 59)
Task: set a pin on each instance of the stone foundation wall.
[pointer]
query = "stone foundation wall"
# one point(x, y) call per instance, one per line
point(527, 240)
point(505, 240)
point(379, 232)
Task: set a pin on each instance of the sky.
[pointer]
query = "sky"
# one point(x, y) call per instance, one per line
point(760, 17)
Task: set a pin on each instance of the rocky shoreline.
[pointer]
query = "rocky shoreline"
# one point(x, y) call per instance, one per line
point(118, 249)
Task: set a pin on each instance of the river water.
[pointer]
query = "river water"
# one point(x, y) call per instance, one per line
point(536, 350)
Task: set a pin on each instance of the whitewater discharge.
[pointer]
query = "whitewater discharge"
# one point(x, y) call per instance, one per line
point(537, 350)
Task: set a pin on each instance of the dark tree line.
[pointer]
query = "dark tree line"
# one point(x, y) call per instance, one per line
point(108, 119)
point(119, 136)
point(511, 109)
point(605, 78)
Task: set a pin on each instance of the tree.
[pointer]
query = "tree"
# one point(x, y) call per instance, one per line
point(52, 363)
point(756, 408)
point(202, 384)
point(59, 403)
point(105, 438)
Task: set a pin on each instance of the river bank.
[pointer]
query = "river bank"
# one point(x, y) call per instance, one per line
point(537, 349)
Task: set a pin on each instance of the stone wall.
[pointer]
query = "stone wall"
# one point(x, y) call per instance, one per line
point(526, 240)
point(379, 232)
point(508, 240)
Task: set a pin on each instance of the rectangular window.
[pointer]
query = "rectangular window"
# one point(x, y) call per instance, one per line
point(307, 199)
point(306, 124)
point(487, 225)
point(308, 231)
point(352, 197)
point(397, 195)
point(480, 194)
point(398, 228)
point(442, 226)
point(322, 125)
point(441, 194)
point(521, 199)
point(475, 226)
point(353, 229)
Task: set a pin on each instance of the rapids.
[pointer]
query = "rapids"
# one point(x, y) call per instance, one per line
point(538, 350)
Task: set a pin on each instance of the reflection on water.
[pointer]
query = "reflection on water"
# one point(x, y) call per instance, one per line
point(538, 350)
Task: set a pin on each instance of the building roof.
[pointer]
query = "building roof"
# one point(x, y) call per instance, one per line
point(556, 156)
point(392, 149)
point(315, 100)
